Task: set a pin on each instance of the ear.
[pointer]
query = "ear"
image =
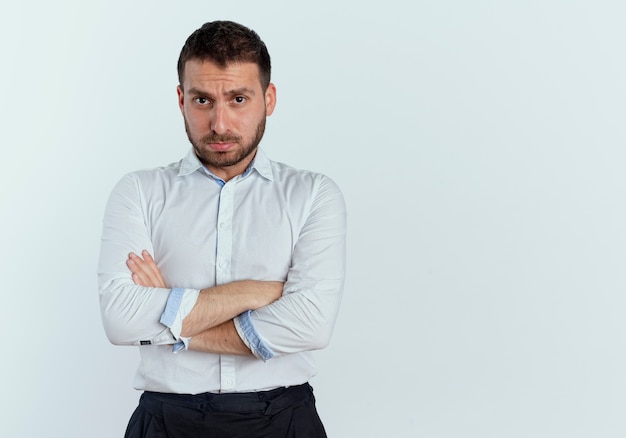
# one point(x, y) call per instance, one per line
point(181, 97)
point(270, 99)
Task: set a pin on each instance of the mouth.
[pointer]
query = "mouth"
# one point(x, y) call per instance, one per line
point(222, 146)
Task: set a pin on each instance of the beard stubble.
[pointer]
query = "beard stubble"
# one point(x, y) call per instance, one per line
point(223, 159)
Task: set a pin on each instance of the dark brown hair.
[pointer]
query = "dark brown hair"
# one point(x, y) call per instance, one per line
point(225, 42)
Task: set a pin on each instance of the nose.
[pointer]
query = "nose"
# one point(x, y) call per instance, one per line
point(220, 120)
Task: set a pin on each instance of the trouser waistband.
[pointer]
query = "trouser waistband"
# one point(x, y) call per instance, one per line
point(261, 401)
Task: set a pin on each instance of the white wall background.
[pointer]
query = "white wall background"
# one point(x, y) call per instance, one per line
point(480, 147)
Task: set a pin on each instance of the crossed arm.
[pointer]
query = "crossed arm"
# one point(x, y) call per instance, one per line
point(210, 323)
point(275, 319)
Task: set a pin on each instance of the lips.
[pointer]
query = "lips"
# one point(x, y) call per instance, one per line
point(221, 147)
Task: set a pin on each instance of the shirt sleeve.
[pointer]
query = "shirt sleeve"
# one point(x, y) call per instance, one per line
point(132, 314)
point(304, 317)
point(179, 304)
point(248, 333)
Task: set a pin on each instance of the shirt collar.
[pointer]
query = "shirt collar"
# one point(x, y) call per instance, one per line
point(189, 164)
point(261, 163)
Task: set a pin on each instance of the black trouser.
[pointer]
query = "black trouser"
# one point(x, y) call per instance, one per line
point(283, 412)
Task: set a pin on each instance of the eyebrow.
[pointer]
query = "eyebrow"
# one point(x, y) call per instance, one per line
point(235, 91)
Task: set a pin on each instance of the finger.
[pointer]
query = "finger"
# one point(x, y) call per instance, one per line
point(138, 280)
point(151, 264)
point(155, 271)
point(136, 274)
point(130, 263)
point(147, 256)
point(145, 274)
point(135, 263)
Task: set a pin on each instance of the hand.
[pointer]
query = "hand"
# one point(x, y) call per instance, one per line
point(145, 271)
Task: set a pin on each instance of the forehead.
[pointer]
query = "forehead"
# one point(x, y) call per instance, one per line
point(207, 74)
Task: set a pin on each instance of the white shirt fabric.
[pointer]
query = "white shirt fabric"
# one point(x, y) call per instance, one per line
point(271, 223)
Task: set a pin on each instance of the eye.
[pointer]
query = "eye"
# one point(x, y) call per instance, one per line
point(202, 101)
point(240, 99)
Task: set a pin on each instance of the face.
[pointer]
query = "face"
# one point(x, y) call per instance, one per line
point(224, 111)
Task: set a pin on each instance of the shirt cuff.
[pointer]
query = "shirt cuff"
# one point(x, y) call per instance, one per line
point(179, 304)
point(181, 345)
point(250, 337)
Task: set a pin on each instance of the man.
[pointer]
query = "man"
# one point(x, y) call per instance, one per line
point(241, 264)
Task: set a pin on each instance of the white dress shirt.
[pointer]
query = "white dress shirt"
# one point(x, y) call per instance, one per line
point(271, 223)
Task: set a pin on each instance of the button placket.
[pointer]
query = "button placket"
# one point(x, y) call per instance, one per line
point(224, 235)
point(223, 271)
